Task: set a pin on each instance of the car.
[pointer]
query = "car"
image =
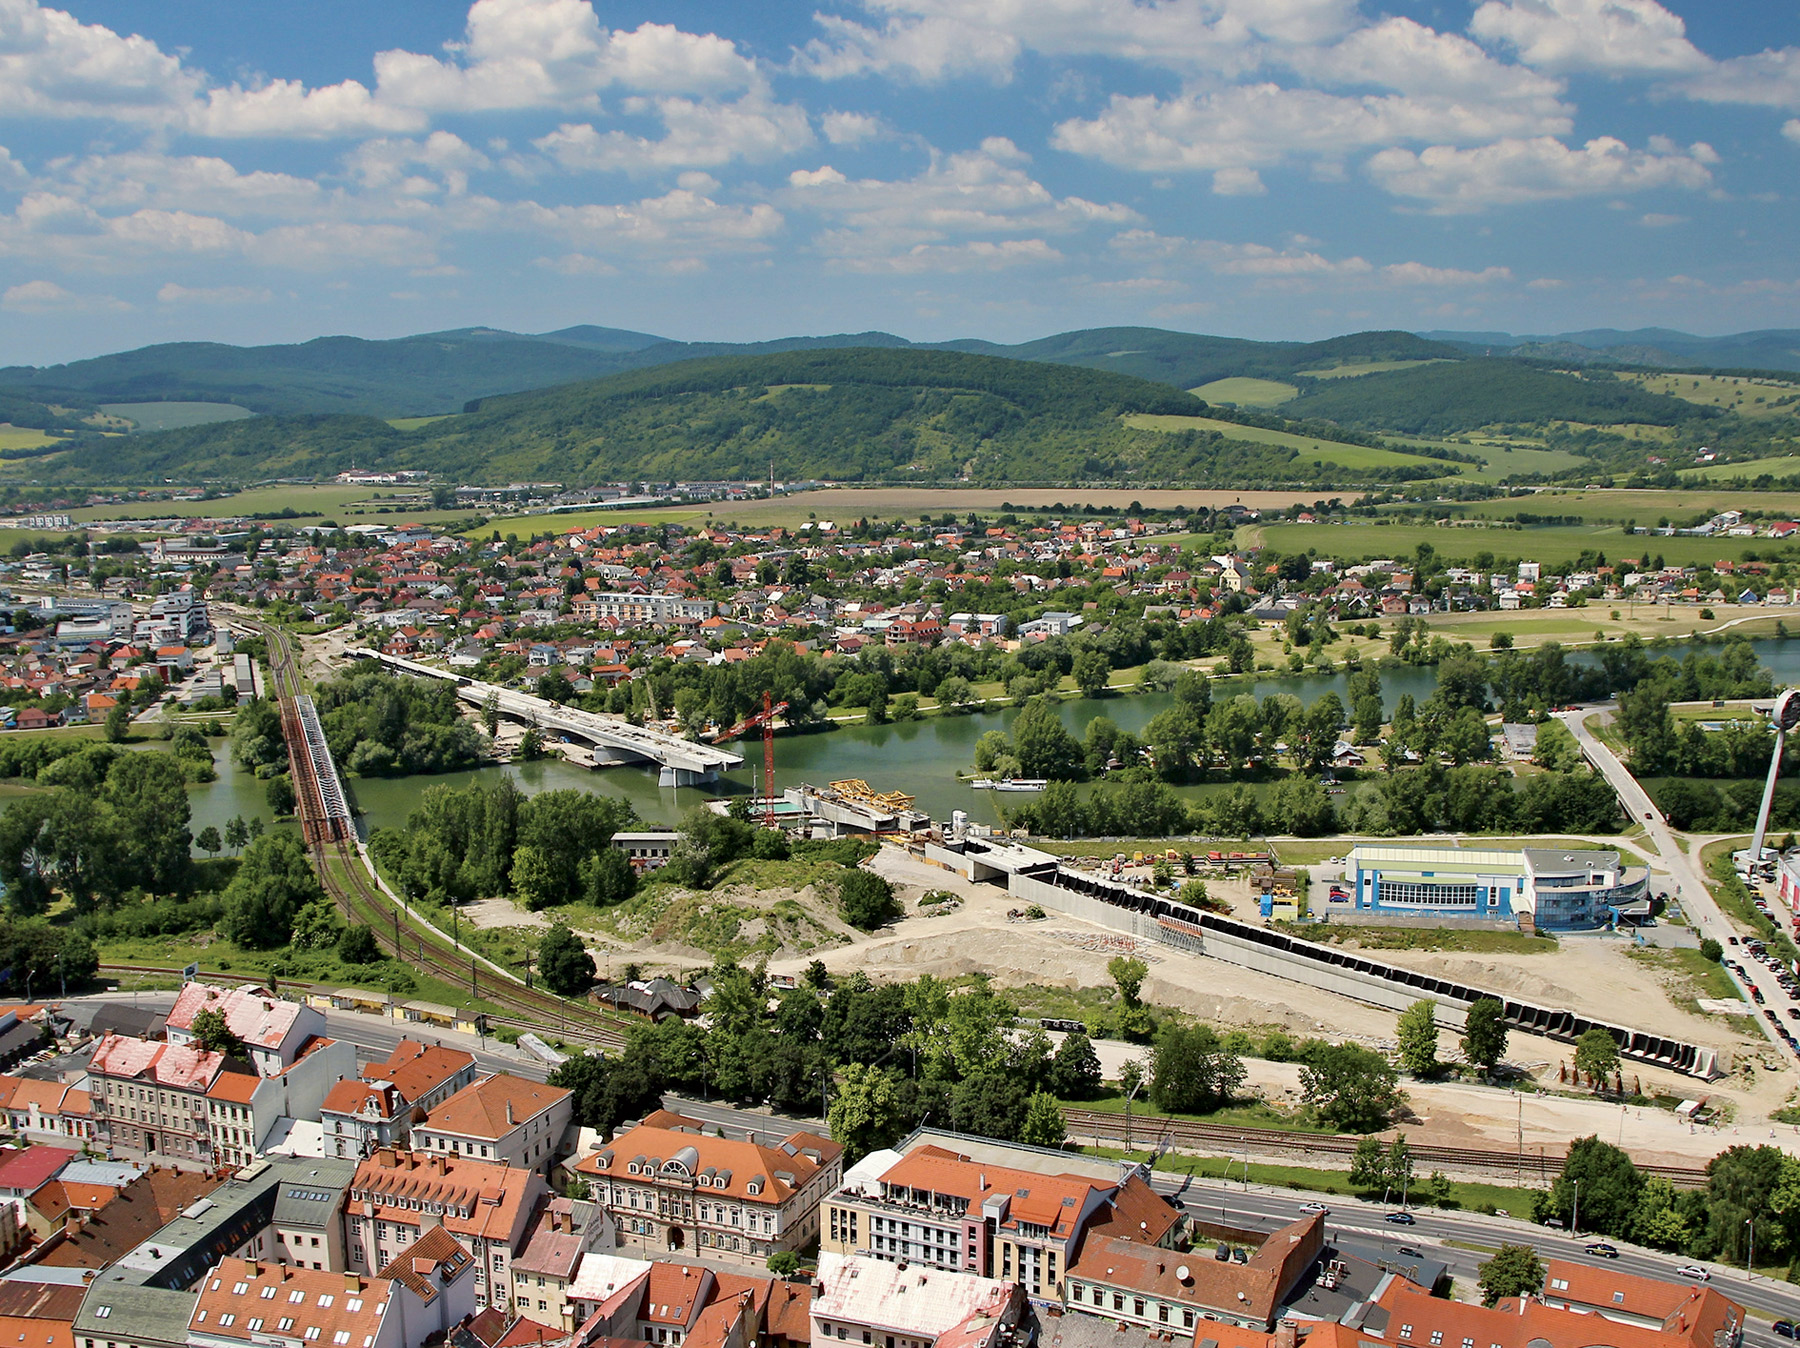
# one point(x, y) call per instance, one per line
point(1605, 1251)
point(1649, 814)
point(1315, 1207)
point(1732, 939)
point(1409, 1252)
point(1400, 1218)
point(1693, 1271)
point(1555, 1223)
point(1785, 1328)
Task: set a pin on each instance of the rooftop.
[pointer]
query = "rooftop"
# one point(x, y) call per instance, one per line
point(260, 1300)
point(492, 1108)
point(924, 1302)
point(255, 1015)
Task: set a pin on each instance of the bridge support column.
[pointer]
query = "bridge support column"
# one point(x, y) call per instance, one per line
point(669, 776)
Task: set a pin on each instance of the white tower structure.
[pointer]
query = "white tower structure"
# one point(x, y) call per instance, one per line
point(1786, 717)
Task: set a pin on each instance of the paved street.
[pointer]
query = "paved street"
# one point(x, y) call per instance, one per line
point(1683, 869)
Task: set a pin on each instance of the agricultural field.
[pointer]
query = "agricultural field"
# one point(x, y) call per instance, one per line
point(1325, 451)
point(413, 423)
point(1351, 369)
point(1549, 543)
point(1787, 465)
point(1745, 396)
point(174, 416)
point(312, 502)
point(25, 437)
point(568, 521)
point(1610, 506)
point(1243, 391)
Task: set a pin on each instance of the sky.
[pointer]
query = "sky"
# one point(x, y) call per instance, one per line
point(252, 171)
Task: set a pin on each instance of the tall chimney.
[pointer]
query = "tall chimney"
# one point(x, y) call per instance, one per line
point(509, 1114)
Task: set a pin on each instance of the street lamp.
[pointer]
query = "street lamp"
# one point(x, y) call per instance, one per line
point(1750, 1222)
point(1575, 1216)
point(1128, 1099)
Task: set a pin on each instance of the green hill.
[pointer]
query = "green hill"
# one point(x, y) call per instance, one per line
point(1448, 397)
point(850, 415)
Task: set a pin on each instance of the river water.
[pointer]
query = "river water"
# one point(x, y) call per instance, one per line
point(920, 758)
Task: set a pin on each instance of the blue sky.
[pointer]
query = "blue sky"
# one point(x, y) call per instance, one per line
point(246, 171)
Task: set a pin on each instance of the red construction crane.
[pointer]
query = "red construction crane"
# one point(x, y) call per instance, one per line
point(766, 719)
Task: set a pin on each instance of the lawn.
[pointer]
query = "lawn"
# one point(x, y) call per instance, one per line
point(1246, 392)
point(1745, 396)
point(24, 437)
point(1691, 976)
point(1617, 506)
point(1351, 369)
point(1786, 465)
point(568, 521)
point(1325, 451)
point(1542, 543)
point(1471, 942)
point(413, 423)
point(173, 416)
point(1468, 1197)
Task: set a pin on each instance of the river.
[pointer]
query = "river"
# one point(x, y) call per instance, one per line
point(920, 758)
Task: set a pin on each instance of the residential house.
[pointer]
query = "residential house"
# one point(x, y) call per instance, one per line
point(874, 1301)
point(360, 1116)
point(502, 1118)
point(666, 1185)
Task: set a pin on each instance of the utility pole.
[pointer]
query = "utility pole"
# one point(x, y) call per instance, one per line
point(1751, 1223)
point(1575, 1217)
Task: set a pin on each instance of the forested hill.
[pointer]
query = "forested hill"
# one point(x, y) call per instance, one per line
point(440, 371)
point(1449, 397)
point(851, 415)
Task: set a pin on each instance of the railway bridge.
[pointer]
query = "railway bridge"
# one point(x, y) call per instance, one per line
point(682, 762)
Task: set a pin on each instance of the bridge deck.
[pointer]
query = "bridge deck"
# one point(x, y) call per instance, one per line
point(669, 751)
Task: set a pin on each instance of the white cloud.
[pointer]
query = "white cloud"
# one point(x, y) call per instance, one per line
point(385, 164)
point(1612, 36)
point(933, 40)
point(705, 134)
point(1769, 79)
point(1238, 182)
point(851, 128)
point(556, 54)
point(975, 255)
point(288, 110)
point(174, 293)
point(52, 65)
point(1420, 274)
point(1512, 172)
point(1791, 130)
point(47, 297)
point(205, 183)
point(1410, 58)
point(1657, 220)
point(985, 193)
point(576, 264)
point(681, 219)
point(1264, 124)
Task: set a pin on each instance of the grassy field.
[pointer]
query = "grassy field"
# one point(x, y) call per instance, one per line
point(1646, 507)
point(1473, 942)
point(569, 521)
point(1691, 976)
point(173, 416)
point(413, 423)
point(24, 437)
point(313, 502)
point(1351, 369)
point(1549, 543)
point(1508, 461)
point(1325, 451)
point(1246, 392)
point(1786, 465)
point(1469, 1197)
point(1747, 397)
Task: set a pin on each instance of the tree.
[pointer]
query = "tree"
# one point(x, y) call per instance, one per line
point(553, 686)
point(274, 881)
point(1596, 1055)
point(118, 723)
point(1351, 1087)
point(1043, 1126)
point(1710, 949)
point(1741, 1187)
point(1605, 1183)
point(1043, 744)
point(1484, 1033)
point(784, 1263)
point(563, 962)
point(1659, 1221)
point(1368, 1165)
point(1129, 973)
point(1075, 1068)
point(280, 795)
point(1514, 1271)
point(531, 745)
point(866, 1114)
point(358, 946)
point(212, 1034)
point(1191, 1071)
point(237, 833)
point(1091, 670)
point(866, 900)
point(1419, 1037)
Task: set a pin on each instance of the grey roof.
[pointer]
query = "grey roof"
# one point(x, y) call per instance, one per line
point(115, 1173)
point(145, 1315)
point(121, 1018)
point(48, 1273)
point(1554, 859)
point(212, 1228)
point(314, 1192)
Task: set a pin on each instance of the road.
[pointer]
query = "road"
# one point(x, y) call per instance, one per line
point(1685, 870)
point(1462, 1241)
point(374, 1036)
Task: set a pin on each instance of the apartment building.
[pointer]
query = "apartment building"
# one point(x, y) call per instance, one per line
point(362, 1115)
point(255, 1301)
point(873, 1301)
point(936, 1207)
point(398, 1195)
point(502, 1118)
point(561, 1234)
point(667, 1186)
point(242, 1110)
point(46, 1111)
point(274, 1032)
point(647, 609)
point(151, 1099)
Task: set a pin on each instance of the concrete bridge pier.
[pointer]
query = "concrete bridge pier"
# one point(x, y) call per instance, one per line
point(670, 776)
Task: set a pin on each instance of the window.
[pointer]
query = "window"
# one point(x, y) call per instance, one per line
point(285, 1323)
point(341, 1337)
point(1618, 1297)
point(255, 1324)
point(353, 1304)
point(312, 1333)
point(268, 1293)
point(299, 1298)
point(326, 1300)
point(1560, 1284)
point(239, 1288)
point(1406, 1331)
point(101, 1312)
point(228, 1319)
point(1437, 1336)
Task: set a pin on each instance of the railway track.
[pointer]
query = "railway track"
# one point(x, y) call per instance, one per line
point(361, 901)
point(1227, 1139)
